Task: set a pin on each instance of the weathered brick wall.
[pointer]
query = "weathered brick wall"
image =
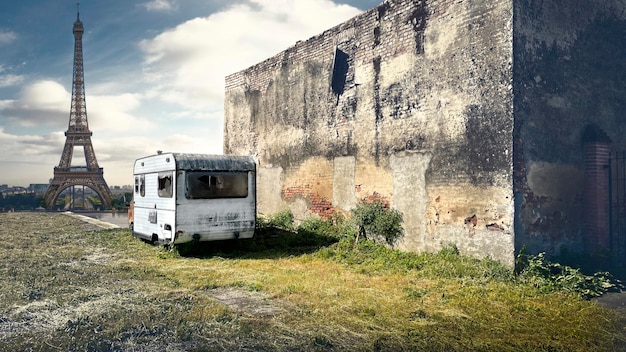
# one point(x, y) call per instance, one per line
point(414, 107)
point(569, 73)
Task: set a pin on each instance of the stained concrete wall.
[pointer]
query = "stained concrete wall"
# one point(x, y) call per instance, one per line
point(410, 103)
point(344, 197)
point(569, 73)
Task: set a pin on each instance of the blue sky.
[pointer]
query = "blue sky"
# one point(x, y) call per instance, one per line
point(154, 73)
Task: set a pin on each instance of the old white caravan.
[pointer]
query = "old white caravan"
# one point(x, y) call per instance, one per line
point(180, 198)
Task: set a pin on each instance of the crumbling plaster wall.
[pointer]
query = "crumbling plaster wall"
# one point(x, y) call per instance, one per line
point(422, 119)
point(569, 72)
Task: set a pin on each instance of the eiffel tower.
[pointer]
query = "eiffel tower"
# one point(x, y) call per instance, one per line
point(78, 135)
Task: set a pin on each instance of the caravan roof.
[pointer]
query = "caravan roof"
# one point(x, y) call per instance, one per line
point(197, 162)
point(213, 162)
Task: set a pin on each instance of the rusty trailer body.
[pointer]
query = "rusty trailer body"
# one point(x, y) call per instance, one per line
point(180, 198)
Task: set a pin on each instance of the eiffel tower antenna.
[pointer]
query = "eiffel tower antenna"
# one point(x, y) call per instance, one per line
point(78, 135)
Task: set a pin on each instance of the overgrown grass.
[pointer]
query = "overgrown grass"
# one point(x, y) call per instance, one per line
point(69, 287)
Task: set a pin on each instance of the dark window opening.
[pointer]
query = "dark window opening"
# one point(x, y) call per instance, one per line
point(376, 36)
point(340, 71)
point(213, 185)
point(165, 185)
point(140, 185)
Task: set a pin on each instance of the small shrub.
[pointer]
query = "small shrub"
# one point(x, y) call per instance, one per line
point(321, 341)
point(448, 250)
point(375, 219)
point(315, 225)
point(336, 227)
point(278, 233)
point(283, 220)
point(262, 221)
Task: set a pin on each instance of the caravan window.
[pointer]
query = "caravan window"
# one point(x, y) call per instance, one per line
point(212, 185)
point(165, 185)
point(140, 185)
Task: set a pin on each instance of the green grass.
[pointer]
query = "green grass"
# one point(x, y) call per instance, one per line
point(68, 287)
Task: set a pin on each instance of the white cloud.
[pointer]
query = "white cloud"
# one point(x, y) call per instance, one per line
point(40, 103)
point(7, 37)
point(114, 113)
point(10, 80)
point(30, 144)
point(6, 103)
point(49, 103)
point(159, 5)
point(30, 158)
point(48, 95)
point(194, 57)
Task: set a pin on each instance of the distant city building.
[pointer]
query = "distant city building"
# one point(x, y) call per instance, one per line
point(121, 189)
point(13, 190)
point(37, 188)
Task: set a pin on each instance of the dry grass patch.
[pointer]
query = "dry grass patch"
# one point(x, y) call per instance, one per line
point(70, 286)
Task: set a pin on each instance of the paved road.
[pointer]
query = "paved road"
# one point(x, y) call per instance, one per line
point(119, 219)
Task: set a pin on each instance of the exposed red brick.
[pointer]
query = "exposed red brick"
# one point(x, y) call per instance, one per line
point(318, 205)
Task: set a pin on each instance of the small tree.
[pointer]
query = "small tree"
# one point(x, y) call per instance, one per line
point(376, 219)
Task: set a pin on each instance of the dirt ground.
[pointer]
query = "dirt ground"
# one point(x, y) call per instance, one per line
point(614, 300)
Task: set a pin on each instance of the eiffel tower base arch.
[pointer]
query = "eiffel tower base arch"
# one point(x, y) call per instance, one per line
point(66, 177)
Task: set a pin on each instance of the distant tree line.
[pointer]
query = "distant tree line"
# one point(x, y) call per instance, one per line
point(32, 201)
point(122, 200)
point(22, 201)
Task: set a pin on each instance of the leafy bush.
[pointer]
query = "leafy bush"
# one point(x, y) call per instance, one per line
point(315, 225)
point(449, 250)
point(277, 232)
point(375, 219)
point(537, 271)
point(336, 226)
point(282, 220)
